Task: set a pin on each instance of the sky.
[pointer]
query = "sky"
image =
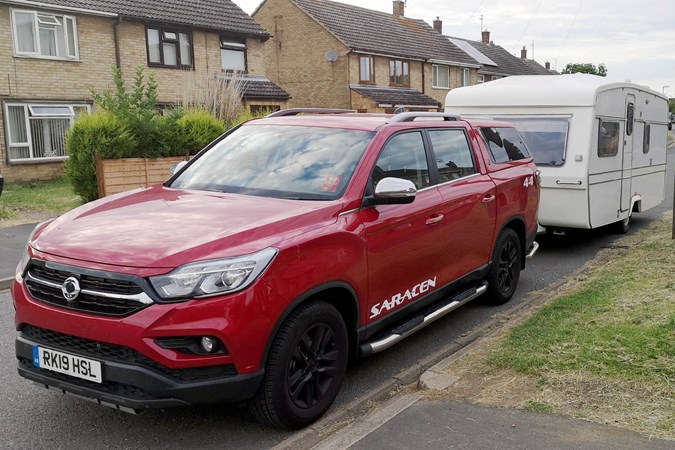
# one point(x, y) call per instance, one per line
point(635, 40)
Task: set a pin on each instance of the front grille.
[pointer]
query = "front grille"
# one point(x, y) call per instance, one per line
point(119, 353)
point(100, 295)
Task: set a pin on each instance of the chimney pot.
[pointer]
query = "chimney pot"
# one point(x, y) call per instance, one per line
point(486, 37)
point(547, 65)
point(438, 25)
point(523, 53)
point(399, 8)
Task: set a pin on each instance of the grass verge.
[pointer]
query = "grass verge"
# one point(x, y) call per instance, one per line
point(604, 350)
point(36, 201)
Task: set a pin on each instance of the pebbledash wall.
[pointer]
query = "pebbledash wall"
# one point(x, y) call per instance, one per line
point(34, 79)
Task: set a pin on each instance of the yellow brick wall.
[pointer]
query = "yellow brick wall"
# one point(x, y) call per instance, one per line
point(295, 57)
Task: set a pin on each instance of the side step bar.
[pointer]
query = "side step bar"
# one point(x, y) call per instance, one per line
point(532, 250)
point(417, 323)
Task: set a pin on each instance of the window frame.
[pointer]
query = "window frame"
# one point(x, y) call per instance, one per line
point(434, 76)
point(466, 76)
point(65, 20)
point(162, 31)
point(480, 78)
point(371, 63)
point(30, 114)
point(234, 44)
point(394, 78)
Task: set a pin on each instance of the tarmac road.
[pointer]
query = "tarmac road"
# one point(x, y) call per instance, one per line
point(33, 417)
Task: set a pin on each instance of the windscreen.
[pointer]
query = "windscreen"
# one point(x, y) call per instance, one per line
point(546, 138)
point(296, 162)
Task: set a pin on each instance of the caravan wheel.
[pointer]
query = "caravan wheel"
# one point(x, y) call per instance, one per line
point(622, 226)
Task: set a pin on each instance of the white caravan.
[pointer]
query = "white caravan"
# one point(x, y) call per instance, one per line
point(600, 145)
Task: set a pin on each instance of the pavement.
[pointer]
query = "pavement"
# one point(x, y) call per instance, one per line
point(417, 420)
point(12, 243)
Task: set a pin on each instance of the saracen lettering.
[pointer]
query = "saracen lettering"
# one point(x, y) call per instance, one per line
point(400, 298)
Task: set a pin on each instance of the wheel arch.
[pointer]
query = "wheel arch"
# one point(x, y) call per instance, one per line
point(517, 224)
point(340, 295)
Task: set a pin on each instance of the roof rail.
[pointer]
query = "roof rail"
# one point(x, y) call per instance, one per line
point(298, 111)
point(411, 116)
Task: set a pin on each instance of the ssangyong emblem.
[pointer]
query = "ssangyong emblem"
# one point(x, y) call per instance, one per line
point(70, 289)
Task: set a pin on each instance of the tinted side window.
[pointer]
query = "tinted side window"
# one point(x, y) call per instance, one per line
point(608, 139)
point(646, 138)
point(454, 158)
point(630, 118)
point(505, 144)
point(403, 157)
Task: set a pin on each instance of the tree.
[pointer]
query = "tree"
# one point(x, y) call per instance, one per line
point(601, 70)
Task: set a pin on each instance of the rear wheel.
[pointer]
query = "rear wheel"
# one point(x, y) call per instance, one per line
point(622, 226)
point(505, 271)
point(305, 368)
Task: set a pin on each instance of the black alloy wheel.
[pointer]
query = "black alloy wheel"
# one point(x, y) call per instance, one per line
point(305, 367)
point(505, 270)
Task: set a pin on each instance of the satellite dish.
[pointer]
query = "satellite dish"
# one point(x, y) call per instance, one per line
point(331, 56)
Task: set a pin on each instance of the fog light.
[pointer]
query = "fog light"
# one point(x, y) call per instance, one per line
point(208, 344)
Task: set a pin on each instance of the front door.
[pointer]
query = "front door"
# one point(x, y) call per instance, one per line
point(405, 243)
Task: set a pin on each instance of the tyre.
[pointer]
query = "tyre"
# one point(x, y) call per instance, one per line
point(505, 270)
point(305, 368)
point(622, 226)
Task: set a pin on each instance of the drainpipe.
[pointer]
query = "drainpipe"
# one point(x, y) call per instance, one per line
point(116, 24)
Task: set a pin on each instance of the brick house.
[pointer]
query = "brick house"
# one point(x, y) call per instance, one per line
point(329, 54)
point(53, 51)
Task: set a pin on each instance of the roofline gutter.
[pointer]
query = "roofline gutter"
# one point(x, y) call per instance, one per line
point(454, 63)
point(361, 52)
point(391, 105)
point(90, 12)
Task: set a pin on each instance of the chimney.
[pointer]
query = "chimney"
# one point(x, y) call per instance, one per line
point(486, 37)
point(523, 53)
point(399, 8)
point(547, 65)
point(438, 25)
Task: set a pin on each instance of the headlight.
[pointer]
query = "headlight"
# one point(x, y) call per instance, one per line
point(209, 278)
point(25, 259)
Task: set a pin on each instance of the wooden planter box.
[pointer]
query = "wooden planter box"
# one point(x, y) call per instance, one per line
point(119, 175)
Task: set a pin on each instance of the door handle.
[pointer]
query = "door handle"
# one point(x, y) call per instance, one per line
point(435, 219)
point(488, 198)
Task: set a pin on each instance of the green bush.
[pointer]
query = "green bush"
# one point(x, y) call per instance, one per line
point(197, 128)
point(103, 135)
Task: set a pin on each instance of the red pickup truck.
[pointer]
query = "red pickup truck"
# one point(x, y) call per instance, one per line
point(286, 247)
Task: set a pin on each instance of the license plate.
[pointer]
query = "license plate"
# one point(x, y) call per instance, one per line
point(86, 369)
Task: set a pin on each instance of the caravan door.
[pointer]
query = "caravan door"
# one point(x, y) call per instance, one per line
point(626, 173)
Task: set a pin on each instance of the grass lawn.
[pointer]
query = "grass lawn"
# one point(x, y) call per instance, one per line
point(35, 201)
point(603, 350)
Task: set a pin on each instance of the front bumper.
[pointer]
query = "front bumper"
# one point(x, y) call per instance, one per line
point(136, 385)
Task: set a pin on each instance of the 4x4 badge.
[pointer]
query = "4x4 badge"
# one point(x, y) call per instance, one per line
point(70, 289)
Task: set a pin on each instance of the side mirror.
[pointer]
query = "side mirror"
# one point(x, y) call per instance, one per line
point(177, 167)
point(393, 191)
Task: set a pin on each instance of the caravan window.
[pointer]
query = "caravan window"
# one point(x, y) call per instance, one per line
point(608, 139)
point(646, 138)
point(545, 138)
point(630, 118)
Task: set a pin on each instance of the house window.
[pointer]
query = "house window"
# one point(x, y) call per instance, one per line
point(480, 78)
point(232, 55)
point(496, 77)
point(169, 48)
point(38, 131)
point(466, 77)
point(399, 73)
point(44, 35)
point(366, 69)
point(440, 76)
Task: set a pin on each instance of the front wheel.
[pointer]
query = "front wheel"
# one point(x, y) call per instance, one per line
point(305, 368)
point(505, 271)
